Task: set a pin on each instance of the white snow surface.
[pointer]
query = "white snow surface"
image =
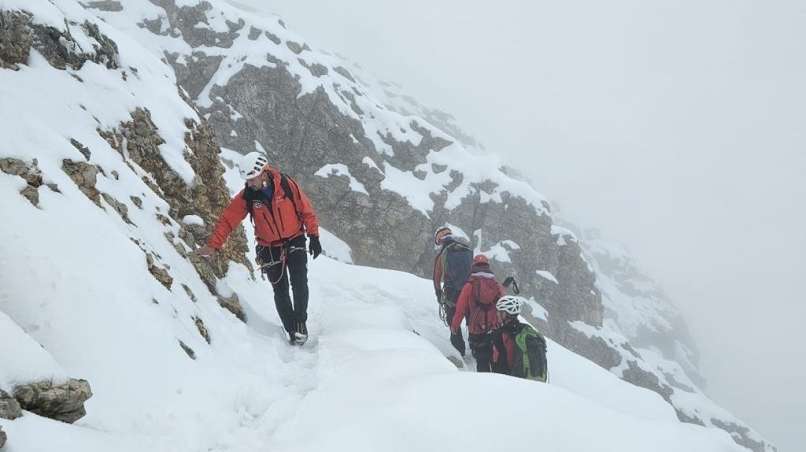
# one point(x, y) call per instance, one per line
point(334, 247)
point(77, 299)
point(547, 275)
point(193, 219)
point(340, 169)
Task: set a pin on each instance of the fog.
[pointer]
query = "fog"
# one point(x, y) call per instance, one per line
point(678, 128)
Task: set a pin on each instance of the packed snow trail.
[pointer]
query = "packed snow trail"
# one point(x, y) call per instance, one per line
point(367, 382)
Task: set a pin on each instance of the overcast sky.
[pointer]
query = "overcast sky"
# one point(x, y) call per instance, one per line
point(678, 128)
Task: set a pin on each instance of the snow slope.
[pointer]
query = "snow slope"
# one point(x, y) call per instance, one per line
point(373, 378)
point(77, 300)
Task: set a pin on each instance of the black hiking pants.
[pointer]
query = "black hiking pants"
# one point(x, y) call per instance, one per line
point(281, 263)
point(481, 345)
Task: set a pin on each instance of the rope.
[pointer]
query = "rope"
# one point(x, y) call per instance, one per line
point(283, 260)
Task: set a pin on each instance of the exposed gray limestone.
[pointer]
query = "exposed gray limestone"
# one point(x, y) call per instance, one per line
point(63, 402)
point(202, 328)
point(16, 38)
point(189, 351)
point(9, 407)
point(104, 5)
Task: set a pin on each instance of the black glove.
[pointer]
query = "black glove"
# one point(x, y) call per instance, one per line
point(458, 343)
point(314, 247)
point(439, 294)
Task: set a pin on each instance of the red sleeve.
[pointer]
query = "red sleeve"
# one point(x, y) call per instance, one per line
point(305, 210)
point(437, 276)
point(461, 307)
point(232, 216)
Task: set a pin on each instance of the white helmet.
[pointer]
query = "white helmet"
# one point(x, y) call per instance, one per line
point(252, 164)
point(440, 233)
point(509, 304)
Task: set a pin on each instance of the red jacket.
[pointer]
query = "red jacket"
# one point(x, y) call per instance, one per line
point(480, 320)
point(283, 220)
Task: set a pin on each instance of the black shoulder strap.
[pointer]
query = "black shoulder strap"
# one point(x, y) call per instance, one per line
point(248, 197)
point(286, 185)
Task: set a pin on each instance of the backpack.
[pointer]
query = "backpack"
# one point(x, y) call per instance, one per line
point(457, 260)
point(529, 360)
point(483, 315)
point(251, 195)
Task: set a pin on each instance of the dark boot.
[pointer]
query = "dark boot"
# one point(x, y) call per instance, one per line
point(301, 333)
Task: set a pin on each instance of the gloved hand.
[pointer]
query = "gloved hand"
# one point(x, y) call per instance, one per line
point(458, 343)
point(314, 247)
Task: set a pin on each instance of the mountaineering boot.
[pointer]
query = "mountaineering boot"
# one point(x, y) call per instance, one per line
point(292, 337)
point(301, 334)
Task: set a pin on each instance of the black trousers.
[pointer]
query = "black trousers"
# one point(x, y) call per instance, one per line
point(281, 263)
point(481, 346)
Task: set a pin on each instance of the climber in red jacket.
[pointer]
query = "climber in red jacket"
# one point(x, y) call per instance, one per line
point(282, 215)
point(476, 302)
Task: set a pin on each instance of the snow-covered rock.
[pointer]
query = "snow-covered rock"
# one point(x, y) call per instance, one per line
point(62, 402)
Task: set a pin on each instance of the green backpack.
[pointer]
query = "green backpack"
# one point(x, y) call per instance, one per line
point(530, 355)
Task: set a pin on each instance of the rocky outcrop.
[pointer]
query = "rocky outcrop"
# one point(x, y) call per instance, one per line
point(63, 402)
point(19, 33)
point(32, 175)
point(188, 351)
point(202, 328)
point(15, 38)
point(85, 175)
point(104, 5)
point(160, 274)
point(191, 22)
point(138, 142)
point(742, 435)
point(9, 407)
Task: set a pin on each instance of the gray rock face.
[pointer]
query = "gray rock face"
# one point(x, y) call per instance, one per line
point(16, 38)
point(191, 22)
point(105, 5)
point(19, 34)
point(85, 175)
point(9, 407)
point(63, 402)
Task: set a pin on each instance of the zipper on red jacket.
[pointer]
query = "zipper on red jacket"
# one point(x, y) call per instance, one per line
point(272, 224)
point(282, 226)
